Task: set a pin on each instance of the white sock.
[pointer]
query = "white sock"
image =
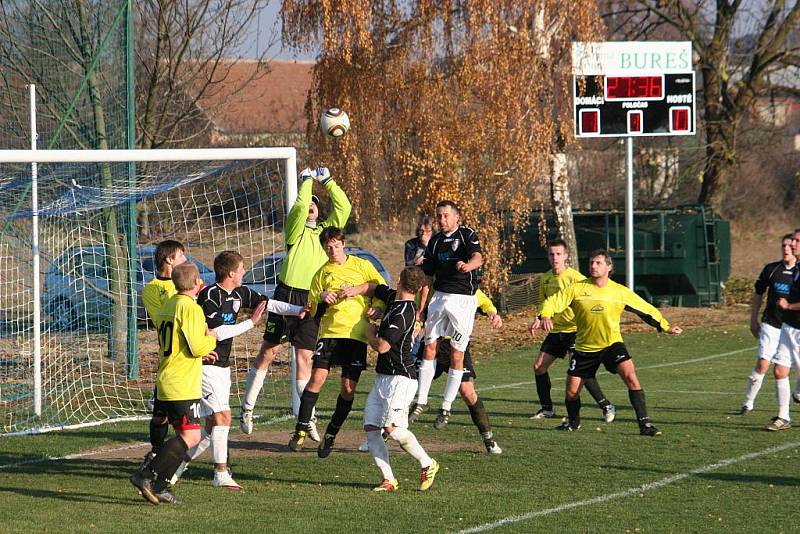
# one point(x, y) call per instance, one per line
point(255, 381)
point(452, 387)
point(205, 441)
point(754, 382)
point(783, 392)
point(408, 441)
point(300, 385)
point(219, 444)
point(426, 371)
point(380, 453)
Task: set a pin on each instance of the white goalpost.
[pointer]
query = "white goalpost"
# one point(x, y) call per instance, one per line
point(76, 243)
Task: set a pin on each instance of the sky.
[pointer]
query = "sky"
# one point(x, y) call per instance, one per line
point(263, 30)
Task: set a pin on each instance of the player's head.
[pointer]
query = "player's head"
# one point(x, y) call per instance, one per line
point(788, 247)
point(796, 243)
point(424, 229)
point(600, 264)
point(168, 254)
point(186, 278)
point(313, 209)
point(412, 279)
point(332, 240)
point(448, 216)
point(229, 265)
point(557, 253)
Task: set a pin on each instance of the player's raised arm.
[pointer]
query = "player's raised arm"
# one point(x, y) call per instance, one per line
point(298, 214)
point(340, 212)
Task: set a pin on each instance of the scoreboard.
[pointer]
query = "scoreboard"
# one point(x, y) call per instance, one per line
point(630, 92)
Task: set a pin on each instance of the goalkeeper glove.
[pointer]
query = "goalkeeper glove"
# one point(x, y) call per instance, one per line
point(322, 174)
point(305, 174)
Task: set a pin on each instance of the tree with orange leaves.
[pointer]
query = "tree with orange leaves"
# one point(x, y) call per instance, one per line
point(468, 101)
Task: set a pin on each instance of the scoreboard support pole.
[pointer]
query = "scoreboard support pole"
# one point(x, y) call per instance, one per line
point(629, 213)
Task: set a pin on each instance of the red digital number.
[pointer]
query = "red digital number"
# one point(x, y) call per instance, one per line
point(680, 119)
point(633, 87)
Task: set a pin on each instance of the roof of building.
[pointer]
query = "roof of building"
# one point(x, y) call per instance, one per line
point(260, 97)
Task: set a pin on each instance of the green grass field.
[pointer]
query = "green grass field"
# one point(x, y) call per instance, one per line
point(711, 470)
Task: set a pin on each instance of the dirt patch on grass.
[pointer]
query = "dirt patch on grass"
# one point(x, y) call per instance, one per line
point(270, 443)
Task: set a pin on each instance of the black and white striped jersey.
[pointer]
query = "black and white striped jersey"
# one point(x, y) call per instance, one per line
point(442, 254)
point(397, 328)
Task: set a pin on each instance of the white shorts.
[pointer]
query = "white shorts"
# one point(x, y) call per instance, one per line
point(388, 401)
point(788, 353)
point(451, 315)
point(216, 390)
point(768, 341)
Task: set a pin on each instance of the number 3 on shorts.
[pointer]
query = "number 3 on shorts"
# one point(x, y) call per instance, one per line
point(572, 363)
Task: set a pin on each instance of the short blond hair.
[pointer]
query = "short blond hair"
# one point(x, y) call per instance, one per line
point(185, 276)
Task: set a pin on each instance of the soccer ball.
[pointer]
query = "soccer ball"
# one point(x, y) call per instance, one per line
point(334, 122)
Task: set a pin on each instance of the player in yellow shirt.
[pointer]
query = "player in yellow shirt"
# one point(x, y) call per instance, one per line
point(336, 300)
point(168, 255)
point(562, 339)
point(598, 304)
point(183, 344)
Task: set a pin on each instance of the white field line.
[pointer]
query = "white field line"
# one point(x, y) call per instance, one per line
point(650, 486)
point(656, 366)
point(95, 452)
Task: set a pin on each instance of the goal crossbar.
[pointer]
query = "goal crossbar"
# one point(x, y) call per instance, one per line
point(165, 154)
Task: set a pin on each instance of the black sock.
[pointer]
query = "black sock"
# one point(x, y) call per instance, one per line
point(573, 410)
point(343, 407)
point(593, 387)
point(158, 434)
point(639, 406)
point(167, 461)
point(480, 418)
point(543, 390)
point(307, 402)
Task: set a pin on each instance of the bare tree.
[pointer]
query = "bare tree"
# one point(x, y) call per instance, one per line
point(739, 47)
point(74, 51)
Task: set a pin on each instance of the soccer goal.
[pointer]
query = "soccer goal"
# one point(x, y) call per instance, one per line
point(79, 228)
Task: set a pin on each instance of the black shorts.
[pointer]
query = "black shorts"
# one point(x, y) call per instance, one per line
point(349, 354)
point(559, 344)
point(443, 360)
point(301, 333)
point(585, 364)
point(182, 414)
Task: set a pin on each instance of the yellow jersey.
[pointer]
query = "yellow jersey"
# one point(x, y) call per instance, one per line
point(598, 311)
point(155, 294)
point(182, 342)
point(347, 318)
point(550, 284)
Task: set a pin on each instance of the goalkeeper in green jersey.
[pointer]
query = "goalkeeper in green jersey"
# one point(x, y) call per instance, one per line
point(598, 303)
point(304, 257)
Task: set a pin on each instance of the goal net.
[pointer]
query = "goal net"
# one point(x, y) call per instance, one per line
point(76, 346)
